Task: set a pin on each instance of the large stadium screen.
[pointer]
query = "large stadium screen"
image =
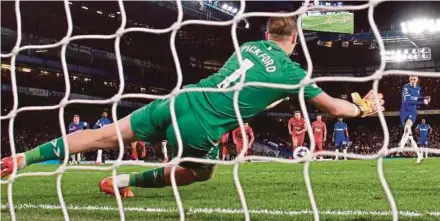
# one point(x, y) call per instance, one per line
point(329, 21)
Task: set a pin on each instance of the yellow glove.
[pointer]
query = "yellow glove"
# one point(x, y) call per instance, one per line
point(367, 105)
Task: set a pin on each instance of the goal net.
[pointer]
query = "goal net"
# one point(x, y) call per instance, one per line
point(173, 29)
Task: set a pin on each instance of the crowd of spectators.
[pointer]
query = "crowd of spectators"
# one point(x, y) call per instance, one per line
point(50, 79)
point(366, 136)
point(80, 84)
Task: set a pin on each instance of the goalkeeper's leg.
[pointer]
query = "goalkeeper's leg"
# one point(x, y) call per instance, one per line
point(186, 173)
point(80, 141)
point(155, 178)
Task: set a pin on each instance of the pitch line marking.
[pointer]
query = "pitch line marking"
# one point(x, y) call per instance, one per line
point(226, 210)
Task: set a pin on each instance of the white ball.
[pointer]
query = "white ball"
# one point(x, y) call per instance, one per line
point(300, 153)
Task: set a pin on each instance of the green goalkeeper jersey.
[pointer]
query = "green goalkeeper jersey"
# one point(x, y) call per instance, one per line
point(263, 61)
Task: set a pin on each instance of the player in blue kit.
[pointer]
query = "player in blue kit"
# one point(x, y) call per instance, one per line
point(74, 126)
point(411, 99)
point(102, 122)
point(424, 131)
point(340, 137)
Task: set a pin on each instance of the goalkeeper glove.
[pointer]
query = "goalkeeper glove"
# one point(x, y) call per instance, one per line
point(367, 106)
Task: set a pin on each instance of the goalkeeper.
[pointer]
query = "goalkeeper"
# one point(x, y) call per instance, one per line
point(203, 117)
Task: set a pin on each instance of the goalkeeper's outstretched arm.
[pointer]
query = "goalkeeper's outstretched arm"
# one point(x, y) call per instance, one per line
point(360, 107)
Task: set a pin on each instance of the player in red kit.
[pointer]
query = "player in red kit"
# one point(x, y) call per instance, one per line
point(224, 145)
point(297, 128)
point(134, 153)
point(320, 133)
point(238, 139)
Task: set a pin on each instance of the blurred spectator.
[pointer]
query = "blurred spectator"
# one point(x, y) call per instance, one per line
point(366, 137)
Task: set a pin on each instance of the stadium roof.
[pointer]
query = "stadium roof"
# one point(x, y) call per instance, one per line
point(47, 19)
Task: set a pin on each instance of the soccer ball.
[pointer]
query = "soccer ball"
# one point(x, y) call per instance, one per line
point(300, 153)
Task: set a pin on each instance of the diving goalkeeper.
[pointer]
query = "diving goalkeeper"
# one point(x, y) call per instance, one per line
point(203, 117)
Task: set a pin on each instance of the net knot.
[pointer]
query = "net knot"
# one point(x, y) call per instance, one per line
point(375, 2)
point(61, 170)
point(65, 41)
point(116, 98)
point(120, 32)
point(378, 75)
point(11, 114)
point(176, 26)
point(116, 164)
point(11, 178)
point(15, 51)
point(238, 87)
point(237, 19)
point(305, 81)
point(63, 102)
point(383, 152)
point(174, 162)
point(302, 10)
point(175, 92)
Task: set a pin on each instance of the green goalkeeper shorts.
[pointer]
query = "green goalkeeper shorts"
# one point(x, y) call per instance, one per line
point(153, 123)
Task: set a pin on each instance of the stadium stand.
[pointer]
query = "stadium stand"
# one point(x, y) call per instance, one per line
point(149, 68)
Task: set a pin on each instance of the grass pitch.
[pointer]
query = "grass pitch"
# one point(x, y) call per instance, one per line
point(341, 23)
point(344, 190)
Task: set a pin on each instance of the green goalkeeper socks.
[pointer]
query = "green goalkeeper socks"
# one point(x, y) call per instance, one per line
point(54, 149)
point(154, 178)
point(51, 150)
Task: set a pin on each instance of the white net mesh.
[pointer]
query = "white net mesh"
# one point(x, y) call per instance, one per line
point(378, 74)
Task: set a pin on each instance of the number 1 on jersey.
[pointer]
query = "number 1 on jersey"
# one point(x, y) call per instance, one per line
point(247, 64)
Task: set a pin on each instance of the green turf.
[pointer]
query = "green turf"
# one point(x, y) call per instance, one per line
point(342, 186)
point(340, 23)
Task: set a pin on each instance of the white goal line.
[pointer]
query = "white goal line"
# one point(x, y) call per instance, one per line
point(226, 210)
